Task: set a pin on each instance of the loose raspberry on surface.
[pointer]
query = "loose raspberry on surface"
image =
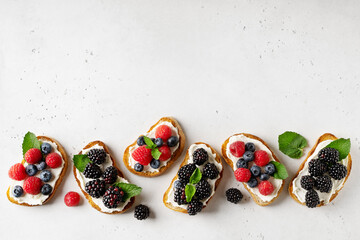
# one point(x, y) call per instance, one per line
point(142, 155)
point(53, 160)
point(163, 131)
point(33, 156)
point(32, 185)
point(17, 172)
point(261, 158)
point(165, 153)
point(72, 199)
point(242, 174)
point(237, 148)
point(265, 188)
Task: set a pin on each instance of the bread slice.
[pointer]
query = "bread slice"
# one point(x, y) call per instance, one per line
point(58, 181)
point(255, 197)
point(324, 137)
point(175, 155)
point(184, 162)
point(120, 174)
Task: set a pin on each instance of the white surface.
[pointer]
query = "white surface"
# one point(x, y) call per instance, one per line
point(84, 70)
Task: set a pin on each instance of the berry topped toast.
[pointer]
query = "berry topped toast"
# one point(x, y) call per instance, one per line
point(37, 177)
point(157, 150)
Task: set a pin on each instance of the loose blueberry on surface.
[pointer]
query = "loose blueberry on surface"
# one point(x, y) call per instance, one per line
point(252, 182)
point(250, 147)
point(270, 169)
point(255, 170)
point(140, 141)
point(172, 141)
point(41, 165)
point(45, 175)
point(46, 189)
point(264, 176)
point(31, 170)
point(17, 191)
point(138, 167)
point(159, 142)
point(248, 156)
point(155, 163)
point(45, 148)
point(241, 163)
point(178, 184)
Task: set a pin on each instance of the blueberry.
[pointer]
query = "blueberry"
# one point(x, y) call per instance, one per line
point(31, 170)
point(248, 156)
point(155, 163)
point(178, 184)
point(270, 169)
point(41, 165)
point(45, 175)
point(159, 142)
point(45, 148)
point(46, 189)
point(264, 176)
point(250, 147)
point(140, 141)
point(255, 170)
point(252, 182)
point(172, 141)
point(152, 139)
point(138, 167)
point(241, 163)
point(17, 191)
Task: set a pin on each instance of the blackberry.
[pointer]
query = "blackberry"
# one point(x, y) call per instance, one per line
point(200, 156)
point(324, 183)
point(203, 190)
point(337, 171)
point(97, 156)
point(307, 182)
point(95, 188)
point(312, 198)
point(141, 212)
point(329, 155)
point(317, 168)
point(179, 196)
point(110, 175)
point(210, 171)
point(186, 171)
point(112, 197)
point(233, 195)
point(92, 171)
point(194, 207)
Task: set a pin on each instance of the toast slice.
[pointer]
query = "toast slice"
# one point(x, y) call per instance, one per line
point(129, 162)
point(167, 195)
point(255, 196)
point(55, 182)
point(323, 140)
point(77, 174)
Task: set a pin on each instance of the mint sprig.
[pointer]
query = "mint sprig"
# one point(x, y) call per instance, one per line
point(189, 192)
point(130, 190)
point(190, 188)
point(30, 141)
point(281, 172)
point(80, 161)
point(342, 145)
point(155, 152)
point(292, 144)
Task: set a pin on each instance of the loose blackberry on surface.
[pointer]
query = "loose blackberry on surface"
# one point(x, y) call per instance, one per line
point(307, 182)
point(95, 188)
point(323, 184)
point(112, 197)
point(97, 156)
point(312, 198)
point(142, 212)
point(337, 171)
point(110, 175)
point(186, 171)
point(92, 171)
point(200, 156)
point(329, 155)
point(194, 207)
point(233, 195)
point(210, 171)
point(317, 168)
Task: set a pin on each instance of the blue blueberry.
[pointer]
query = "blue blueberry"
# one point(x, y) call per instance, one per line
point(248, 156)
point(252, 182)
point(155, 163)
point(45, 148)
point(250, 147)
point(140, 141)
point(159, 142)
point(241, 163)
point(31, 170)
point(178, 184)
point(172, 141)
point(45, 175)
point(17, 191)
point(46, 189)
point(264, 176)
point(255, 170)
point(270, 169)
point(152, 139)
point(41, 165)
point(138, 167)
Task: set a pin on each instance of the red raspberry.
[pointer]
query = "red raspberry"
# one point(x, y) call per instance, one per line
point(32, 185)
point(242, 174)
point(17, 172)
point(265, 188)
point(33, 156)
point(142, 155)
point(165, 153)
point(237, 148)
point(163, 131)
point(261, 158)
point(72, 199)
point(53, 160)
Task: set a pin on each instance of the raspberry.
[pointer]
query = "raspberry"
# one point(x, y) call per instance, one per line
point(237, 148)
point(261, 158)
point(32, 185)
point(72, 199)
point(17, 172)
point(163, 131)
point(33, 156)
point(142, 155)
point(265, 188)
point(53, 160)
point(165, 153)
point(242, 174)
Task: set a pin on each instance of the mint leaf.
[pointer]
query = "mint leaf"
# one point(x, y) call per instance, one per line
point(130, 190)
point(189, 192)
point(30, 141)
point(149, 143)
point(80, 161)
point(292, 144)
point(155, 153)
point(195, 176)
point(281, 172)
point(342, 145)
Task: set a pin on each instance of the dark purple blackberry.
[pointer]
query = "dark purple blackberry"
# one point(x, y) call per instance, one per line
point(92, 171)
point(337, 171)
point(307, 182)
point(112, 197)
point(179, 196)
point(200, 156)
point(97, 156)
point(194, 207)
point(210, 171)
point(323, 183)
point(203, 190)
point(110, 175)
point(141, 212)
point(317, 168)
point(185, 172)
point(95, 188)
point(329, 155)
point(233, 195)
point(312, 198)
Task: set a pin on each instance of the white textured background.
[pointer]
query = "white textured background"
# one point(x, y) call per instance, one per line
point(85, 70)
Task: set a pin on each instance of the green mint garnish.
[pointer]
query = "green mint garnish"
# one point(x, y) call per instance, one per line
point(130, 190)
point(155, 153)
point(30, 141)
point(281, 172)
point(189, 192)
point(80, 161)
point(342, 145)
point(292, 144)
point(196, 176)
point(190, 188)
